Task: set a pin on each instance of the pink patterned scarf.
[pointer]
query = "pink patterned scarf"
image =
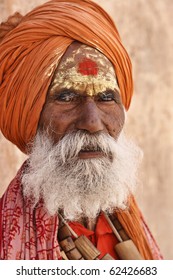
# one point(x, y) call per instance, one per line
point(26, 234)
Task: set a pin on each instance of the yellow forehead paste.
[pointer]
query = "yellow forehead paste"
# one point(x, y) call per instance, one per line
point(86, 70)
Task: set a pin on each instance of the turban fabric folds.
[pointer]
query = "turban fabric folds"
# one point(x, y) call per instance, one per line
point(31, 51)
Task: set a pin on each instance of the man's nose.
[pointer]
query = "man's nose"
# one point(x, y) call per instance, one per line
point(90, 118)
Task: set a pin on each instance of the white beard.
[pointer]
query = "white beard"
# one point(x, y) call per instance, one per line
point(81, 187)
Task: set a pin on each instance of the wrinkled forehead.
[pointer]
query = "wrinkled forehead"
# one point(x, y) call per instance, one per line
point(82, 64)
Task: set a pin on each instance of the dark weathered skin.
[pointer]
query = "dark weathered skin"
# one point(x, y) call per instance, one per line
point(81, 99)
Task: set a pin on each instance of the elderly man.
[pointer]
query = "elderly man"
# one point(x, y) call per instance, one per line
point(65, 86)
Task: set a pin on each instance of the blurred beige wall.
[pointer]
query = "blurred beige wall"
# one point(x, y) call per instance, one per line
point(146, 30)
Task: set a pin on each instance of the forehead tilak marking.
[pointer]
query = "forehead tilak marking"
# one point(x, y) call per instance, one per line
point(87, 67)
point(73, 72)
point(86, 84)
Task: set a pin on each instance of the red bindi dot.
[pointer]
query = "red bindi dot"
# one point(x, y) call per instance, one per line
point(88, 67)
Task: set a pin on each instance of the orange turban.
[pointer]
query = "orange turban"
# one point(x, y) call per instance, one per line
point(31, 51)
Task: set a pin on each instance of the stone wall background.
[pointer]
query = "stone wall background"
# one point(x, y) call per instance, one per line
point(146, 30)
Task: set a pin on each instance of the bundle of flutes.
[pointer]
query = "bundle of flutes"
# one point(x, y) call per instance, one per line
point(76, 247)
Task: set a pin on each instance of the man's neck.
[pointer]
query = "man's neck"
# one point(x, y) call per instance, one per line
point(88, 223)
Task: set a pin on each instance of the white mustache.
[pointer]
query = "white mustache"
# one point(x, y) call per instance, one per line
point(78, 141)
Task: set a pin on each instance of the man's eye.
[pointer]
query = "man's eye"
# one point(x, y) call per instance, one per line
point(66, 96)
point(106, 96)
